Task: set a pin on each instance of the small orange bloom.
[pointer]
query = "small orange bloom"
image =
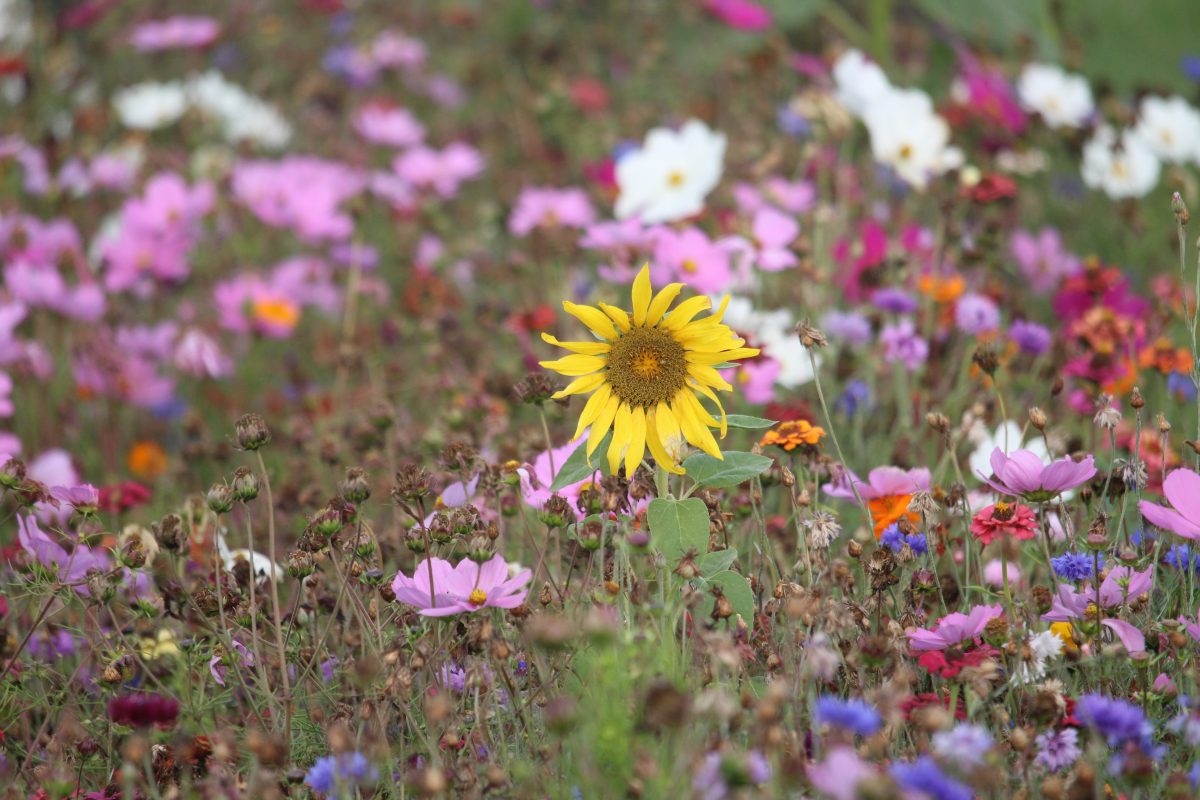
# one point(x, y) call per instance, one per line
point(941, 289)
point(890, 509)
point(1165, 357)
point(147, 460)
point(793, 433)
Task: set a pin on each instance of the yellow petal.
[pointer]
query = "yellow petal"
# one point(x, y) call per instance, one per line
point(591, 411)
point(686, 311)
point(641, 295)
point(621, 430)
point(637, 441)
point(604, 421)
point(594, 318)
point(661, 302)
point(583, 348)
point(719, 356)
point(619, 316)
point(575, 365)
point(693, 428)
point(580, 386)
point(711, 395)
point(654, 441)
point(709, 377)
point(699, 411)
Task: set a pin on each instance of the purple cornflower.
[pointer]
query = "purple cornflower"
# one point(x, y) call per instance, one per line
point(856, 395)
point(895, 300)
point(51, 645)
point(964, 745)
point(894, 540)
point(976, 314)
point(331, 773)
point(1057, 750)
point(1118, 721)
point(1030, 337)
point(791, 123)
point(902, 343)
point(849, 326)
point(1180, 557)
point(853, 715)
point(1074, 566)
point(924, 775)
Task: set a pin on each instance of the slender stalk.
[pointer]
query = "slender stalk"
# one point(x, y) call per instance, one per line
point(276, 610)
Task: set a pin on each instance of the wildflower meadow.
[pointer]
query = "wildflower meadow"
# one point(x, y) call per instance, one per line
point(539, 399)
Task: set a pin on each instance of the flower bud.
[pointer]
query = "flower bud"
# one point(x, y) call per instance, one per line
point(480, 549)
point(220, 498)
point(355, 486)
point(12, 473)
point(412, 483)
point(1037, 418)
point(251, 432)
point(300, 564)
point(244, 485)
point(169, 532)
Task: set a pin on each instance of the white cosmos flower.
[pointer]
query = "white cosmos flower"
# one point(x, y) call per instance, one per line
point(243, 117)
point(859, 81)
point(150, 106)
point(669, 177)
point(1121, 168)
point(772, 331)
point(1042, 647)
point(1170, 126)
point(1062, 99)
point(909, 137)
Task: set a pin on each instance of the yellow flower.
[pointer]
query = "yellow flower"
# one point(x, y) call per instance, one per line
point(646, 373)
point(161, 647)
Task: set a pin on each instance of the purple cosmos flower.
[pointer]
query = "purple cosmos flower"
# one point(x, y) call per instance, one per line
point(902, 343)
point(1030, 337)
point(881, 482)
point(1121, 585)
point(1182, 490)
point(84, 498)
point(217, 668)
point(72, 567)
point(1058, 750)
point(852, 715)
point(467, 587)
point(849, 326)
point(1042, 258)
point(976, 314)
point(1022, 474)
point(954, 628)
point(839, 775)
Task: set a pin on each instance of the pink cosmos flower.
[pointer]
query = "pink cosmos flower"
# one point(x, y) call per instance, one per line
point(443, 171)
point(302, 193)
point(83, 497)
point(989, 95)
point(175, 32)
point(1042, 259)
point(774, 231)
point(756, 379)
point(464, 588)
point(993, 573)
point(689, 256)
point(217, 667)
point(742, 15)
point(72, 567)
point(1022, 474)
point(858, 257)
point(1120, 586)
point(1182, 490)
point(954, 628)
point(840, 773)
point(198, 354)
point(1193, 628)
point(386, 125)
point(547, 207)
point(881, 482)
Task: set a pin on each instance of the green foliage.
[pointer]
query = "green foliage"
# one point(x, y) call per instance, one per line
point(677, 526)
point(736, 467)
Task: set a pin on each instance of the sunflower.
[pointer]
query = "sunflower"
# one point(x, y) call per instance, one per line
point(646, 373)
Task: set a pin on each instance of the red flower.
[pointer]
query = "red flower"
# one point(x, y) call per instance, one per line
point(926, 699)
point(948, 663)
point(1004, 519)
point(992, 189)
point(589, 95)
point(123, 496)
point(3, 613)
point(143, 710)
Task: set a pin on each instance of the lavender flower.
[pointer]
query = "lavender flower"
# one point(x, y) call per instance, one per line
point(976, 314)
point(902, 343)
point(1118, 721)
point(853, 715)
point(964, 745)
point(849, 326)
point(924, 775)
point(1057, 750)
point(1030, 337)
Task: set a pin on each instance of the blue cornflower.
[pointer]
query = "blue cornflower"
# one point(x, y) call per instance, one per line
point(1181, 557)
point(894, 540)
point(1074, 566)
point(1190, 66)
point(331, 772)
point(924, 775)
point(1140, 537)
point(1181, 385)
point(853, 715)
point(791, 123)
point(1118, 721)
point(854, 397)
point(1194, 775)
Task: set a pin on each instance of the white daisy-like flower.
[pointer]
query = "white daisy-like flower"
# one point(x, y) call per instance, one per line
point(860, 82)
point(909, 137)
point(150, 106)
point(1063, 100)
point(1170, 126)
point(669, 177)
point(242, 116)
point(1042, 647)
point(772, 332)
point(1120, 167)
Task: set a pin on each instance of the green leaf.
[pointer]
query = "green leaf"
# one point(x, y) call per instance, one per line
point(677, 526)
point(753, 423)
point(717, 560)
point(737, 467)
point(725, 365)
point(576, 469)
point(736, 590)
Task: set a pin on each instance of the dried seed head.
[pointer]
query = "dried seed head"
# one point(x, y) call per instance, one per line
point(535, 388)
point(1136, 400)
point(412, 483)
point(1037, 418)
point(986, 359)
point(355, 487)
point(810, 336)
point(938, 421)
point(251, 432)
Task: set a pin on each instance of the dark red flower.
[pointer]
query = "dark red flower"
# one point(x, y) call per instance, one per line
point(87, 13)
point(948, 663)
point(143, 710)
point(992, 189)
point(926, 699)
point(123, 496)
point(3, 613)
point(589, 95)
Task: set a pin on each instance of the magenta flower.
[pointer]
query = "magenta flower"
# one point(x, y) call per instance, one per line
point(954, 628)
point(1121, 585)
point(1022, 474)
point(217, 667)
point(175, 32)
point(742, 15)
point(1193, 628)
point(547, 207)
point(1182, 490)
point(388, 125)
point(461, 589)
point(881, 482)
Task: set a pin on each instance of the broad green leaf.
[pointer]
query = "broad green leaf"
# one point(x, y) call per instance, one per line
point(576, 469)
point(717, 560)
point(753, 423)
point(737, 467)
point(737, 590)
point(677, 526)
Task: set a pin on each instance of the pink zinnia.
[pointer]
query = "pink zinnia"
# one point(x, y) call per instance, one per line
point(955, 628)
point(1182, 490)
point(461, 589)
point(1004, 519)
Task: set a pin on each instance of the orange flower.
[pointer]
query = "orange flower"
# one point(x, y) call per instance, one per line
point(147, 460)
point(793, 433)
point(943, 290)
point(889, 509)
point(1165, 357)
